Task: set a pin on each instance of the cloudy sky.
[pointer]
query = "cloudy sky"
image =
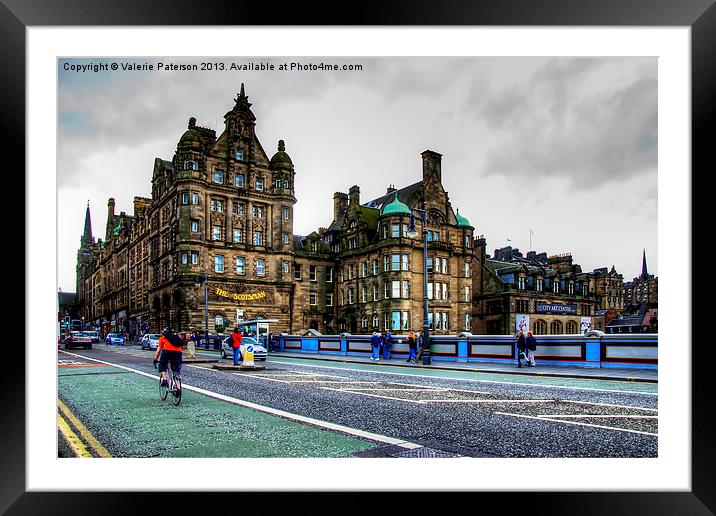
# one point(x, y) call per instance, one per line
point(566, 147)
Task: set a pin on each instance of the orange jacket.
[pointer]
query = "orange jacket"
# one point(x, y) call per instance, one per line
point(236, 340)
point(165, 344)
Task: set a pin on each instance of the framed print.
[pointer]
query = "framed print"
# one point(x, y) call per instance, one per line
point(103, 89)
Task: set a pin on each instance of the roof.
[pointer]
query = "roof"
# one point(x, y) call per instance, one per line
point(631, 320)
point(462, 221)
point(410, 195)
point(67, 298)
point(281, 157)
point(395, 207)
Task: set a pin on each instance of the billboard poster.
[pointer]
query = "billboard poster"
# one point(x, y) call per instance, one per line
point(586, 324)
point(522, 324)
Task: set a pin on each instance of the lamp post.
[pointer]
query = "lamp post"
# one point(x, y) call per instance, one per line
point(413, 233)
point(204, 278)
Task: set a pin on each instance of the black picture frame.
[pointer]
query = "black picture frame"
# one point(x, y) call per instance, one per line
point(699, 15)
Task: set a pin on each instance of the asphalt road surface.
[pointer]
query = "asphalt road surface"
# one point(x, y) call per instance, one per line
point(308, 408)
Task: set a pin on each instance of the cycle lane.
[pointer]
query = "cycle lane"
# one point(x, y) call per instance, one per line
point(121, 409)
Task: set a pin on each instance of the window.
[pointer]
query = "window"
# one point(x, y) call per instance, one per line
point(216, 233)
point(430, 290)
point(297, 272)
point(467, 295)
point(260, 268)
point(185, 198)
point(191, 165)
point(375, 292)
point(364, 322)
point(184, 258)
point(445, 265)
point(395, 288)
point(395, 321)
point(217, 205)
point(467, 322)
point(239, 154)
point(195, 226)
point(386, 290)
point(555, 286)
point(539, 285)
point(467, 269)
point(237, 235)
point(235, 208)
point(194, 198)
point(466, 242)
point(555, 327)
point(258, 211)
point(219, 320)
point(239, 180)
point(286, 213)
point(375, 266)
point(285, 238)
point(351, 295)
point(386, 263)
point(364, 269)
point(404, 320)
point(329, 299)
point(240, 265)
point(571, 327)
point(445, 320)
point(430, 320)
point(430, 264)
point(350, 271)
point(312, 273)
point(395, 230)
point(363, 294)
point(312, 298)
point(406, 289)
point(194, 258)
point(405, 230)
point(259, 184)
point(218, 176)
point(521, 283)
point(286, 267)
point(329, 274)
point(218, 263)
point(376, 321)
point(404, 264)
point(258, 238)
point(395, 262)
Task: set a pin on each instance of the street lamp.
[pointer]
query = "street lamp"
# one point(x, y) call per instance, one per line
point(413, 234)
point(204, 278)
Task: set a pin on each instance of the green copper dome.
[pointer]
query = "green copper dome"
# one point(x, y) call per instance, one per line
point(395, 207)
point(462, 221)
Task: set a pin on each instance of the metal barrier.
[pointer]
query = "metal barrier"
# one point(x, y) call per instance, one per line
point(609, 350)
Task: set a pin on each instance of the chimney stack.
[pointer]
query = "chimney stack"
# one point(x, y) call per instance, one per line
point(431, 164)
point(354, 194)
point(340, 203)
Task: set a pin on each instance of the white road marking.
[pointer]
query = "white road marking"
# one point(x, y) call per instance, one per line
point(284, 361)
point(288, 415)
point(590, 416)
point(608, 405)
point(360, 393)
point(488, 401)
point(579, 424)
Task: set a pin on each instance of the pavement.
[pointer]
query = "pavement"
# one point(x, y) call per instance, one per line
point(611, 373)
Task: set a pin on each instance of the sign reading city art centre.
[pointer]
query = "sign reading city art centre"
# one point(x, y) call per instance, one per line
point(547, 308)
point(246, 296)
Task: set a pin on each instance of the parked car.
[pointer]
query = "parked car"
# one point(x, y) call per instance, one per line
point(94, 335)
point(227, 350)
point(214, 341)
point(77, 339)
point(115, 338)
point(150, 341)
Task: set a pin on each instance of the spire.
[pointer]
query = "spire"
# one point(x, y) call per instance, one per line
point(87, 235)
point(644, 273)
point(242, 100)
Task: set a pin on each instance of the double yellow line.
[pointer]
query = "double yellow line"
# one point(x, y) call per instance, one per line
point(76, 442)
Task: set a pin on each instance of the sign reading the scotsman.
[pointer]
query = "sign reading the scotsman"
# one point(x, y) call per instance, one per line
point(253, 296)
point(546, 308)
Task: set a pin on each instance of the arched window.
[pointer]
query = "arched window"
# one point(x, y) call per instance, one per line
point(555, 328)
point(219, 320)
point(540, 327)
point(571, 327)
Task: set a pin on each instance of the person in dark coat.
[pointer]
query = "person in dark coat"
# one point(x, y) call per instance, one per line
point(531, 346)
point(520, 348)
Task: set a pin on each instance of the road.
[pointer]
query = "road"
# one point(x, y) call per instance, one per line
point(308, 408)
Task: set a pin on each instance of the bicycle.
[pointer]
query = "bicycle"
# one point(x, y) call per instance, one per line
point(172, 386)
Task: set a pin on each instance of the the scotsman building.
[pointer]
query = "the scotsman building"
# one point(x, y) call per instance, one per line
point(223, 209)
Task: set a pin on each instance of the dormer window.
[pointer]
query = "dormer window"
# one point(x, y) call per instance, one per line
point(239, 154)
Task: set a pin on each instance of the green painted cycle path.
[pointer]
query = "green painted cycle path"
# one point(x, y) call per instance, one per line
point(466, 374)
point(124, 412)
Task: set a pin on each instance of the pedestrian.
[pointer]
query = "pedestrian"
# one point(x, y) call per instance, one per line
point(387, 344)
point(375, 341)
point(412, 345)
point(236, 344)
point(520, 348)
point(531, 346)
point(420, 346)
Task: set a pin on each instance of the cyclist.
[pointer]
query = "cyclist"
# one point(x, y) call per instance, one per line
point(169, 349)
